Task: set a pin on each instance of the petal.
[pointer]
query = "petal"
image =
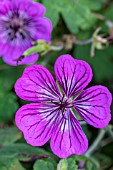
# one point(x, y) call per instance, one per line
point(93, 105)
point(36, 121)
point(2, 47)
point(37, 84)
point(27, 60)
point(43, 29)
point(36, 10)
point(33, 9)
point(73, 75)
point(5, 6)
point(68, 137)
point(12, 57)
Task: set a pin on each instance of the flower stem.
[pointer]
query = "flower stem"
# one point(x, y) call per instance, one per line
point(96, 142)
point(110, 132)
point(57, 48)
point(89, 41)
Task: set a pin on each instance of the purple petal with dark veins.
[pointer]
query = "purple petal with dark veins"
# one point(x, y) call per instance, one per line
point(68, 137)
point(73, 75)
point(36, 121)
point(37, 84)
point(93, 105)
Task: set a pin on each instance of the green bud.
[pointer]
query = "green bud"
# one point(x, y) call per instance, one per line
point(33, 50)
point(40, 47)
point(62, 165)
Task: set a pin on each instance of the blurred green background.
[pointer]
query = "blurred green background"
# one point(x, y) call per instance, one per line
point(74, 22)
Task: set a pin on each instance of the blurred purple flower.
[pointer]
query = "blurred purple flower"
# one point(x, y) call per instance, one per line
point(52, 113)
point(21, 23)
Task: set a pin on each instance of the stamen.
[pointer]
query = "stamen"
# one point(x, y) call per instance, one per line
point(63, 104)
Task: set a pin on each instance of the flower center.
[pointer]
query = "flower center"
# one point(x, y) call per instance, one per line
point(15, 25)
point(64, 103)
point(16, 28)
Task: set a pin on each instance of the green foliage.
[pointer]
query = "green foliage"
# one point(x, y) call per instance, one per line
point(94, 5)
point(101, 63)
point(75, 14)
point(8, 106)
point(10, 164)
point(109, 13)
point(8, 100)
point(92, 164)
point(9, 135)
point(8, 75)
point(86, 131)
point(23, 152)
point(46, 165)
point(104, 160)
point(11, 154)
point(67, 164)
point(51, 11)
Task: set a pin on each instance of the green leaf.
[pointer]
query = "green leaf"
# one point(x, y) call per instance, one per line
point(72, 164)
point(101, 63)
point(94, 5)
point(67, 164)
point(109, 13)
point(75, 14)
point(81, 158)
point(9, 135)
point(92, 164)
point(8, 100)
point(77, 17)
point(23, 152)
point(8, 75)
point(46, 165)
point(51, 11)
point(10, 164)
point(8, 106)
point(15, 165)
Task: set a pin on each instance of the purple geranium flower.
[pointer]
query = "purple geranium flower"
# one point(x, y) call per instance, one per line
point(21, 23)
point(52, 113)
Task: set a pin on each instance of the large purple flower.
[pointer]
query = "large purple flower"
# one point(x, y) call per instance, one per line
point(52, 113)
point(21, 23)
